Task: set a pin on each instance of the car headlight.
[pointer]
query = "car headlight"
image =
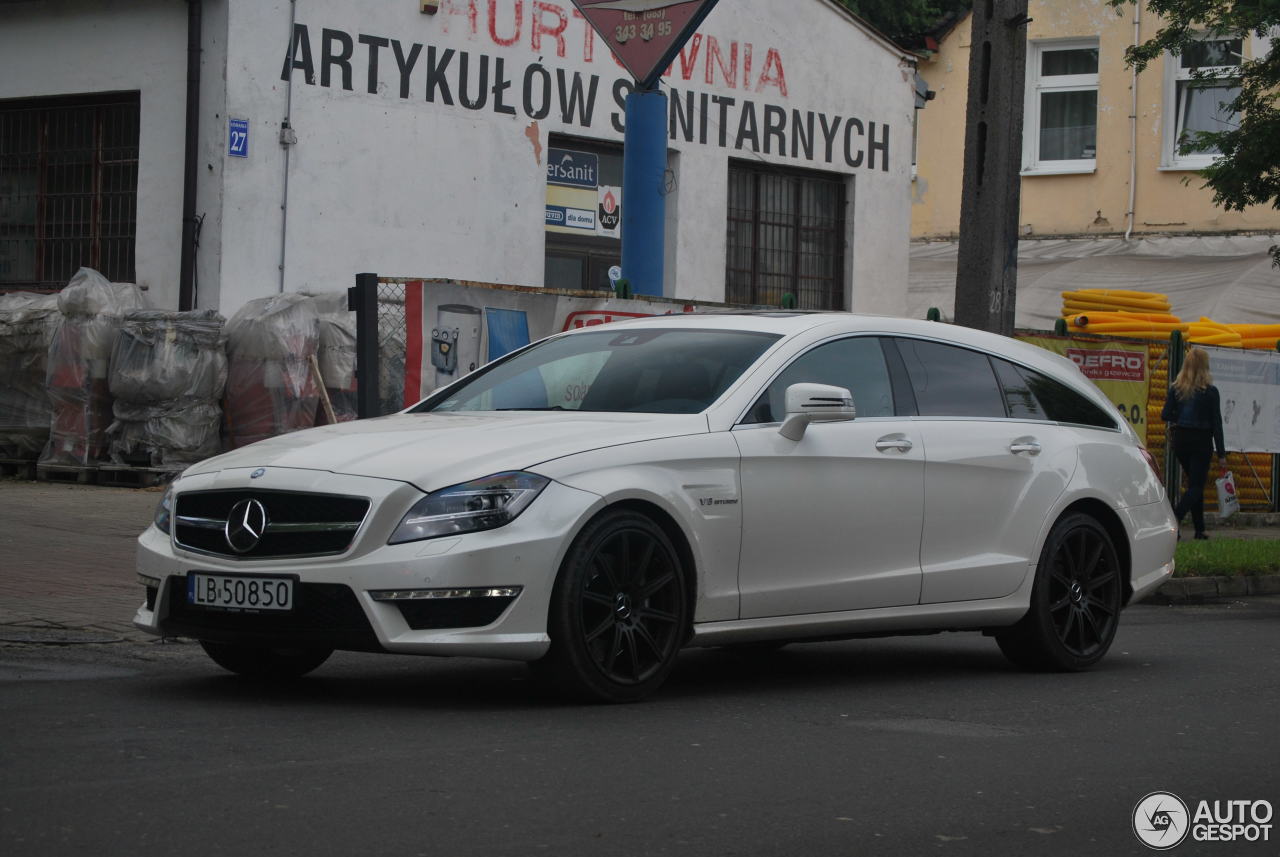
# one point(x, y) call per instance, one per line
point(484, 504)
point(164, 511)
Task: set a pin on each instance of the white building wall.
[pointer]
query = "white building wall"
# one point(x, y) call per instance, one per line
point(406, 186)
point(74, 47)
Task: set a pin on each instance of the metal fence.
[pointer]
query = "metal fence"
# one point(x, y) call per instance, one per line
point(392, 338)
point(381, 342)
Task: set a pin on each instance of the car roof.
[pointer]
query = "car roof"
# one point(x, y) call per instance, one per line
point(790, 323)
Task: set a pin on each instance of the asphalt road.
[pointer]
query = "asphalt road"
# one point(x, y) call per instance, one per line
point(904, 746)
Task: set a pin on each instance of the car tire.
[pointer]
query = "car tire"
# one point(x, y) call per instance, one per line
point(1075, 600)
point(619, 611)
point(264, 662)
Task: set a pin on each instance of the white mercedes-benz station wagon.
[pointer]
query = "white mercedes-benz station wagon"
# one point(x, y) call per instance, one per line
point(600, 499)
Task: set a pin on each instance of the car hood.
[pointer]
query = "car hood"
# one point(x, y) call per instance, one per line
point(436, 450)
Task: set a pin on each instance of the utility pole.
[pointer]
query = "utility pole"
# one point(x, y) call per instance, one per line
point(987, 269)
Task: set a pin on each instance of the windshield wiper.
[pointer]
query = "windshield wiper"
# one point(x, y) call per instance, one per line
point(552, 408)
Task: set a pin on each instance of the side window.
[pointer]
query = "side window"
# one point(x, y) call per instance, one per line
point(1062, 404)
point(856, 364)
point(1018, 397)
point(1030, 395)
point(951, 382)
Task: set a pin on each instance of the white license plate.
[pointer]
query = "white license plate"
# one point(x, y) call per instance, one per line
point(239, 592)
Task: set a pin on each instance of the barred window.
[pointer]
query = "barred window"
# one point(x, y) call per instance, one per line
point(786, 236)
point(68, 189)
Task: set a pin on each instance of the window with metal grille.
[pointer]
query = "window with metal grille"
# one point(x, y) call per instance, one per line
point(68, 189)
point(786, 236)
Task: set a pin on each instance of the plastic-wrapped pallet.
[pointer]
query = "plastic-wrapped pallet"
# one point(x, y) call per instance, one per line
point(79, 356)
point(336, 354)
point(27, 324)
point(168, 374)
point(271, 389)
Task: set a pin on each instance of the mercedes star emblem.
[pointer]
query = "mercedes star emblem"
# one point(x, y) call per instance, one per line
point(245, 525)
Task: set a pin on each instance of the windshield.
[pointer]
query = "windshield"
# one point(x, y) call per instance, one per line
point(639, 371)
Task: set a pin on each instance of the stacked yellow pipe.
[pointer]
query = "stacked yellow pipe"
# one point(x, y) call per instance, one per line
point(1119, 312)
point(1206, 331)
point(1113, 300)
point(1150, 322)
point(1131, 325)
point(1146, 315)
point(1263, 336)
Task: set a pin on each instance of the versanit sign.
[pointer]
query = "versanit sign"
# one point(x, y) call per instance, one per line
point(645, 35)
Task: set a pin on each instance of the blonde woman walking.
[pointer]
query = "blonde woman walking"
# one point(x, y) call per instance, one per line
point(1193, 409)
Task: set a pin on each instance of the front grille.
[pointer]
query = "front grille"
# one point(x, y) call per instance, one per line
point(435, 613)
point(324, 615)
point(297, 524)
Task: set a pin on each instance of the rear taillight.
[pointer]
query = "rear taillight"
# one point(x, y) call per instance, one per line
point(1151, 462)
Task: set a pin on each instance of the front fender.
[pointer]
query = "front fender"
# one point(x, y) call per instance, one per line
point(693, 481)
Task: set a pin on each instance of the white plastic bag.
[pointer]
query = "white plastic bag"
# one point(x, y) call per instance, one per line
point(1228, 500)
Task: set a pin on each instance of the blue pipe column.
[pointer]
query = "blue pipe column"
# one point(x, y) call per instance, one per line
point(644, 202)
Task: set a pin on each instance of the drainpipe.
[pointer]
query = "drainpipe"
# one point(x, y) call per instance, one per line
point(187, 275)
point(287, 140)
point(1133, 124)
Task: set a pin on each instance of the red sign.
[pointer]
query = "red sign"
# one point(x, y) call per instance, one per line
point(1110, 365)
point(645, 35)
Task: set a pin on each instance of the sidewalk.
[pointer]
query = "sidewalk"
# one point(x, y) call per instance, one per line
point(67, 562)
point(1245, 527)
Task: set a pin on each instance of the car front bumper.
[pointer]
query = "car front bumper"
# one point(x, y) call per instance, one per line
point(480, 594)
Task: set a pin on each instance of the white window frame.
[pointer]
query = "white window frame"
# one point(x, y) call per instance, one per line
point(1037, 85)
point(1174, 74)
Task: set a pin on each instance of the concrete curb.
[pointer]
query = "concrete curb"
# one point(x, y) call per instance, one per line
point(1196, 590)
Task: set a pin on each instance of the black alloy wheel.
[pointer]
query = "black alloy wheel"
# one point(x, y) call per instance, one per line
point(1075, 601)
point(619, 611)
point(261, 662)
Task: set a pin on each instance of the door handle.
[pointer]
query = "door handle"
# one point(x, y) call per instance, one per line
point(1029, 445)
point(901, 444)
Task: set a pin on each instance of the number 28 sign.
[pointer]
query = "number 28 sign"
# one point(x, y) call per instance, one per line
point(645, 35)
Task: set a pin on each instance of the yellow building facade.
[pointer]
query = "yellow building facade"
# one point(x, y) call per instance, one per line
point(1088, 167)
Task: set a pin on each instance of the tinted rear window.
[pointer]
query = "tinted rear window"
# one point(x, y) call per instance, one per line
point(1031, 395)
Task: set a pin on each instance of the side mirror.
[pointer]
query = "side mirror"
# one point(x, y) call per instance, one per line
point(822, 403)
